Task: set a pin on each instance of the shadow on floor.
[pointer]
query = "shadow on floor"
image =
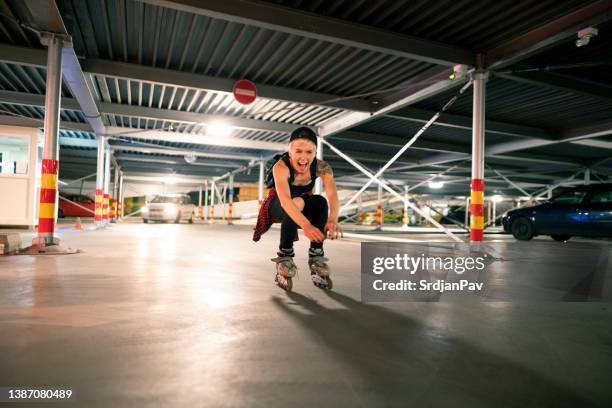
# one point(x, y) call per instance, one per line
point(401, 361)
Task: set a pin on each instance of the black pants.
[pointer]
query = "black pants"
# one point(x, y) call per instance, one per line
point(315, 210)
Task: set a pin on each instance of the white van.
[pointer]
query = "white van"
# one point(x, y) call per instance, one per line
point(169, 207)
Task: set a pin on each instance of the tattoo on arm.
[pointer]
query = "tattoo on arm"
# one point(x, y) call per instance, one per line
point(323, 168)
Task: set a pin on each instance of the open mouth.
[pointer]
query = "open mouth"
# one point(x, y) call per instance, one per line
point(302, 165)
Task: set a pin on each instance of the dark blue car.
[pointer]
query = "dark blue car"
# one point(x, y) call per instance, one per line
point(584, 211)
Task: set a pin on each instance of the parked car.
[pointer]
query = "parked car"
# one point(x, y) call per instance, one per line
point(581, 211)
point(169, 207)
point(71, 209)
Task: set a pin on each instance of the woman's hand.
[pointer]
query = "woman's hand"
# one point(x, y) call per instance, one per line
point(333, 230)
point(313, 233)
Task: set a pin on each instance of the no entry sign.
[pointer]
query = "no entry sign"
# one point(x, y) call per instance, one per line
point(245, 91)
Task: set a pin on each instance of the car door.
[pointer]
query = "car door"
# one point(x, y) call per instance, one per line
point(599, 208)
point(563, 214)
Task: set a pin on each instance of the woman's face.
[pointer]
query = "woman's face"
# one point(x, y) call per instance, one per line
point(301, 154)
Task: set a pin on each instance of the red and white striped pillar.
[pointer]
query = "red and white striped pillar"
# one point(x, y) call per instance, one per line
point(478, 143)
point(107, 175)
point(47, 210)
point(99, 210)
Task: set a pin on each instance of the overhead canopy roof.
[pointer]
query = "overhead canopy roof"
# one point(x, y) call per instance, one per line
point(161, 72)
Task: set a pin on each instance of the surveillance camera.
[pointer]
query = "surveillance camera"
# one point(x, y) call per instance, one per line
point(585, 35)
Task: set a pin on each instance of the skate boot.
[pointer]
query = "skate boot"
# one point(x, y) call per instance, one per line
point(285, 269)
point(319, 270)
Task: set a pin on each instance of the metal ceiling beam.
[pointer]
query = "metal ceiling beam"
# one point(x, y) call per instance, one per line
point(27, 99)
point(465, 123)
point(180, 162)
point(125, 147)
point(548, 34)
point(431, 83)
point(560, 82)
point(22, 98)
point(588, 132)
point(176, 137)
point(159, 76)
point(169, 77)
point(192, 117)
point(46, 16)
point(397, 142)
point(38, 123)
point(283, 19)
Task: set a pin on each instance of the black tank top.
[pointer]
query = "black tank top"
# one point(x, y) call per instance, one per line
point(297, 191)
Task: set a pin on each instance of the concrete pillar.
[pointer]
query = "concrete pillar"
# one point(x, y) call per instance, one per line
point(587, 176)
point(47, 211)
point(212, 202)
point(405, 220)
point(467, 212)
point(115, 195)
point(107, 165)
point(379, 210)
point(319, 157)
point(206, 200)
point(478, 143)
point(230, 205)
point(99, 210)
point(260, 192)
point(121, 192)
point(200, 203)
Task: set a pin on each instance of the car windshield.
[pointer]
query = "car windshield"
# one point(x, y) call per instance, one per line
point(167, 199)
point(569, 197)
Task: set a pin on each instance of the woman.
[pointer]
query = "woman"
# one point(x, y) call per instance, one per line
point(292, 203)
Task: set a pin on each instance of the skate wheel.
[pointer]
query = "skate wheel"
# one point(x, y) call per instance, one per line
point(283, 283)
point(330, 284)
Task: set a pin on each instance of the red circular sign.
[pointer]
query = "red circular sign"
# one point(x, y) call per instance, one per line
point(245, 91)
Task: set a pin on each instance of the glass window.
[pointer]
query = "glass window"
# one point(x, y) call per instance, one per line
point(14, 154)
point(167, 199)
point(602, 197)
point(570, 197)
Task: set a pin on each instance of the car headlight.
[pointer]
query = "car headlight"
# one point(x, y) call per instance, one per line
point(170, 210)
point(144, 210)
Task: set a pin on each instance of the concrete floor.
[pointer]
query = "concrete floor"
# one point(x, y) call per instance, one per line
point(187, 315)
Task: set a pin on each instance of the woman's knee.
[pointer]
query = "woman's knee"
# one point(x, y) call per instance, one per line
point(319, 202)
point(299, 203)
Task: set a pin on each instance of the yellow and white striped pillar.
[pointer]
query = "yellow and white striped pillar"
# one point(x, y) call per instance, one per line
point(48, 200)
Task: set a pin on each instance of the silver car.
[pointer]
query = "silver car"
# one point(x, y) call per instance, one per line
point(169, 208)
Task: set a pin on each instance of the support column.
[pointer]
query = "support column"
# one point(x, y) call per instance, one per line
point(405, 220)
point(587, 176)
point(359, 210)
point(200, 203)
point(206, 201)
point(379, 211)
point(478, 143)
point(319, 157)
point(115, 195)
point(467, 212)
point(99, 211)
point(47, 211)
point(212, 202)
point(230, 205)
point(260, 192)
point(107, 164)
point(120, 204)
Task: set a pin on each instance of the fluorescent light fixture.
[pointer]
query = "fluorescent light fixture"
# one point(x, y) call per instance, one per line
point(497, 198)
point(436, 184)
point(218, 129)
point(169, 180)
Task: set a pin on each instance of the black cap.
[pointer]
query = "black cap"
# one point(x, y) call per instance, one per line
point(304, 133)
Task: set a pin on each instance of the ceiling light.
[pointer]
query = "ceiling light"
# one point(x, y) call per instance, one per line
point(497, 198)
point(436, 184)
point(218, 129)
point(191, 157)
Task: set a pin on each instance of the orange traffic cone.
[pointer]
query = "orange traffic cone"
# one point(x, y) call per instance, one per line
point(78, 226)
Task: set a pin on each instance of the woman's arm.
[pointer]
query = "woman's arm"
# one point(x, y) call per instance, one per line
point(281, 183)
point(327, 176)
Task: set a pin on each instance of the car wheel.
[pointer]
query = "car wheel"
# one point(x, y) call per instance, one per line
point(178, 219)
point(522, 229)
point(60, 214)
point(560, 238)
point(145, 220)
